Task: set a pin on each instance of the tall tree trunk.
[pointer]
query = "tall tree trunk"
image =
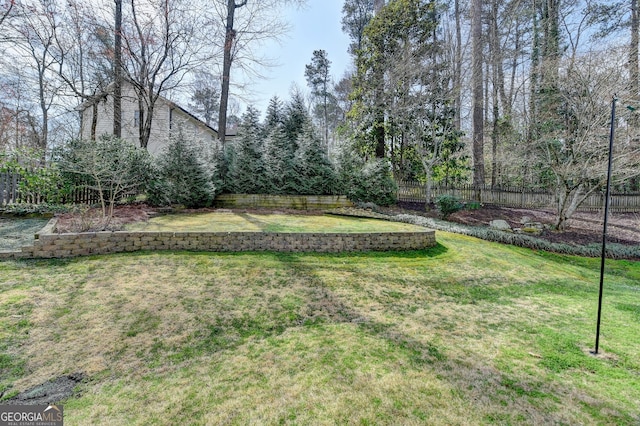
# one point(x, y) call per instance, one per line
point(549, 96)
point(634, 67)
point(477, 83)
point(94, 120)
point(457, 67)
point(227, 59)
point(498, 90)
point(378, 125)
point(117, 72)
point(44, 109)
point(141, 118)
point(534, 78)
point(634, 75)
point(508, 103)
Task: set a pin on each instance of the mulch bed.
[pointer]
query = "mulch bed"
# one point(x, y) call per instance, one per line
point(584, 228)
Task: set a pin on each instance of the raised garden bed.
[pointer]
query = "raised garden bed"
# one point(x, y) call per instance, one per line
point(239, 232)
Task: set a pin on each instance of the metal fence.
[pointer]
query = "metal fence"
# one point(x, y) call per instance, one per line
point(514, 197)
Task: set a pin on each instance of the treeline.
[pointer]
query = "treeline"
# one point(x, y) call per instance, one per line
point(285, 154)
point(499, 92)
point(282, 155)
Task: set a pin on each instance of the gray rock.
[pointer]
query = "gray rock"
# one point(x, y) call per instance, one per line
point(500, 225)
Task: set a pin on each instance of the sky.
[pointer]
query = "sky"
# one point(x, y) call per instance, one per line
point(314, 27)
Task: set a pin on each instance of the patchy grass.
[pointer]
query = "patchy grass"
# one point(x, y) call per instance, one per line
point(468, 332)
point(18, 232)
point(230, 222)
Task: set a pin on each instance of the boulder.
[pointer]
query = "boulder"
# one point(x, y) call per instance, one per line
point(500, 225)
point(525, 220)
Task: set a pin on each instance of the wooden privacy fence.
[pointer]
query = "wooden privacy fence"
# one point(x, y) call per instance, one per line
point(514, 197)
point(10, 193)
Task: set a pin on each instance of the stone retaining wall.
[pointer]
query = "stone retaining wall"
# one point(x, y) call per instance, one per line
point(303, 202)
point(52, 245)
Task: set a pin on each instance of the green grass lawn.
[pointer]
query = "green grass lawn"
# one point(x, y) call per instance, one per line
point(468, 332)
point(233, 222)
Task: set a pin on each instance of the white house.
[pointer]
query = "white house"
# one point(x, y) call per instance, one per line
point(168, 118)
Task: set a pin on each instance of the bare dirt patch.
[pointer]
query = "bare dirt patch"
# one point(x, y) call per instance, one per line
point(50, 392)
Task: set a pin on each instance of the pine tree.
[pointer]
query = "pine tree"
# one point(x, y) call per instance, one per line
point(275, 114)
point(248, 173)
point(279, 161)
point(314, 171)
point(187, 180)
point(296, 118)
point(319, 80)
point(368, 182)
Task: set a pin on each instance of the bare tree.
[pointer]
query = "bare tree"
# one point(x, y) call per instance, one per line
point(117, 71)
point(230, 35)
point(5, 9)
point(33, 32)
point(478, 94)
point(206, 96)
point(82, 61)
point(576, 154)
point(247, 23)
point(160, 47)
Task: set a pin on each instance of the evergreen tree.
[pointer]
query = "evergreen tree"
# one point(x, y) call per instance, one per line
point(275, 114)
point(296, 118)
point(356, 14)
point(279, 161)
point(367, 182)
point(248, 173)
point(186, 178)
point(319, 80)
point(315, 173)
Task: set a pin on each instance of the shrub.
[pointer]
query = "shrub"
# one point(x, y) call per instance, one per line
point(448, 204)
point(111, 166)
point(22, 209)
point(473, 205)
point(181, 177)
point(369, 182)
point(38, 182)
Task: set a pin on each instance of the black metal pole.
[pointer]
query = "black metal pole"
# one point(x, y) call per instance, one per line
point(606, 218)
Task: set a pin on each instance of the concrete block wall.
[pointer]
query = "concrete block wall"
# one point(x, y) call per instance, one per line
point(49, 244)
point(303, 202)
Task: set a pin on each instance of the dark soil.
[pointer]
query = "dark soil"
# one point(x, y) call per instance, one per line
point(51, 392)
point(584, 228)
point(91, 219)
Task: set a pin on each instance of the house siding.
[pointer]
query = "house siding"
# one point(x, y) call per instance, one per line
point(167, 118)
